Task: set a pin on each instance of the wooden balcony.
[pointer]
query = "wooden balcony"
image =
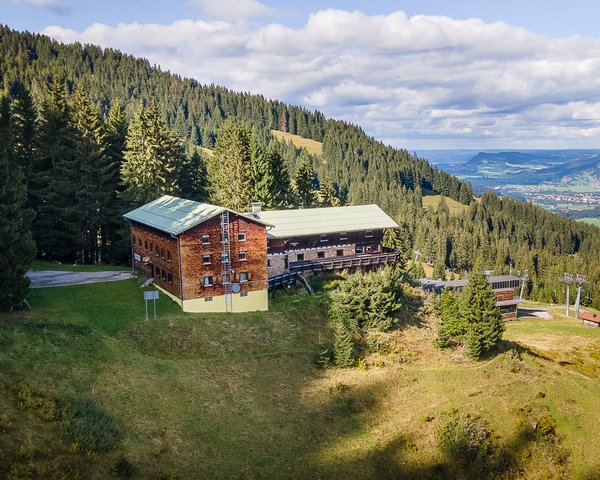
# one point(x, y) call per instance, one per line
point(343, 263)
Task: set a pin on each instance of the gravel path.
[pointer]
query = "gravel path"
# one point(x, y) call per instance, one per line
point(54, 278)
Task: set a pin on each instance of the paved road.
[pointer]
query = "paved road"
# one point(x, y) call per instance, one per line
point(54, 278)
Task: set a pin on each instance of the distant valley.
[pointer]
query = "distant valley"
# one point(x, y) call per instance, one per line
point(564, 181)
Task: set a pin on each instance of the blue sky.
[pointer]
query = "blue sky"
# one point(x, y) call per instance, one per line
point(419, 74)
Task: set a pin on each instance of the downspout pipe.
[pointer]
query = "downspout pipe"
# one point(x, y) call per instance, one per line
point(179, 268)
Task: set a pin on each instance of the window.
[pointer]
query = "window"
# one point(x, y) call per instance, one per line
point(206, 259)
point(243, 294)
point(293, 244)
point(300, 257)
point(205, 239)
point(243, 256)
point(151, 248)
point(145, 244)
point(162, 253)
point(224, 258)
point(321, 254)
point(207, 282)
point(224, 237)
point(241, 236)
point(169, 278)
point(133, 239)
point(343, 236)
point(359, 249)
point(339, 253)
point(369, 234)
point(157, 272)
point(324, 238)
point(168, 255)
point(243, 276)
point(208, 299)
point(268, 262)
point(140, 242)
point(164, 275)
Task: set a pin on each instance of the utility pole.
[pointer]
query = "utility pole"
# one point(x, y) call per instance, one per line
point(568, 279)
point(579, 280)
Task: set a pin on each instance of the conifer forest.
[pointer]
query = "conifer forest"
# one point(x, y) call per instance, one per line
point(87, 134)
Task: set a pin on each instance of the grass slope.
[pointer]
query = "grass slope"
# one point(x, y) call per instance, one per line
point(591, 221)
point(239, 396)
point(312, 146)
point(434, 200)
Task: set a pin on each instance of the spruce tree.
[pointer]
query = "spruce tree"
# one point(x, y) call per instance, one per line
point(193, 180)
point(95, 195)
point(480, 315)
point(327, 195)
point(439, 271)
point(262, 177)
point(304, 184)
point(343, 345)
point(55, 179)
point(281, 187)
point(16, 243)
point(230, 170)
point(152, 159)
point(451, 327)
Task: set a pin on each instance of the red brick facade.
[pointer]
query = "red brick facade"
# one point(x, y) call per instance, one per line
point(156, 255)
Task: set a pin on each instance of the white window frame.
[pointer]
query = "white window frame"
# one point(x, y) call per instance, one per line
point(204, 262)
point(210, 284)
point(243, 280)
point(206, 239)
point(245, 255)
point(241, 236)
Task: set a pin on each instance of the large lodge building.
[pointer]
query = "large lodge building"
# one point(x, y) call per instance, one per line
point(213, 259)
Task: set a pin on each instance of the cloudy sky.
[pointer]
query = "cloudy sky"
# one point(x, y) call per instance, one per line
point(419, 74)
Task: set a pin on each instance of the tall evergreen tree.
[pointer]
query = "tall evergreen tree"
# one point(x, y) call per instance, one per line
point(55, 180)
point(16, 243)
point(193, 179)
point(343, 345)
point(95, 192)
point(25, 126)
point(281, 187)
point(262, 178)
point(480, 315)
point(451, 326)
point(304, 184)
point(152, 158)
point(230, 169)
point(327, 195)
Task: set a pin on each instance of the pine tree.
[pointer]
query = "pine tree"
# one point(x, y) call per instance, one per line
point(152, 159)
point(16, 243)
point(55, 180)
point(230, 169)
point(193, 179)
point(95, 195)
point(25, 126)
point(480, 315)
point(343, 345)
point(304, 184)
point(439, 271)
point(327, 195)
point(451, 327)
point(262, 177)
point(281, 187)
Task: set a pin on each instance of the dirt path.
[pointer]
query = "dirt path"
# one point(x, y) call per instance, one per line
point(54, 278)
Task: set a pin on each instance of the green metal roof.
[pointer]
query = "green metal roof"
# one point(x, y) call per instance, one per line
point(176, 215)
point(321, 221)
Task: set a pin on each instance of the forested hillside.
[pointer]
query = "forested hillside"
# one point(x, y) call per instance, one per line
point(98, 132)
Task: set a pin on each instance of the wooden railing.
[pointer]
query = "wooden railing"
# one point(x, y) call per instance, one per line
point(341, 263)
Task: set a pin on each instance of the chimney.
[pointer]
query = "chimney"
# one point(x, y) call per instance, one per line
point(256, 207)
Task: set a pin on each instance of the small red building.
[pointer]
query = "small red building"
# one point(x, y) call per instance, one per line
point(590, 319)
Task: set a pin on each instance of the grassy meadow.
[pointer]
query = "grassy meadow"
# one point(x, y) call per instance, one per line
point(312, 146)
point(90, 389)
point(434, 200)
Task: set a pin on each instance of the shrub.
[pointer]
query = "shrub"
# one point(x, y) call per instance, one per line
point(467, 442)
point(122, 468)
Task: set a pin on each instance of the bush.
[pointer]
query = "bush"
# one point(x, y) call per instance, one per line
point(467, 442)
point(122, 468)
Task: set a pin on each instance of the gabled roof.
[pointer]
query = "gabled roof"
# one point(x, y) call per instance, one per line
point(176, 215)
point(321, 221)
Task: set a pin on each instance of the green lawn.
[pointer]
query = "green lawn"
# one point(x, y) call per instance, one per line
point(591, 221)
point(240, 396)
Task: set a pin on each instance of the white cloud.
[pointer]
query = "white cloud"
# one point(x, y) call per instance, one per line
point(417, 82)
point(232, 9)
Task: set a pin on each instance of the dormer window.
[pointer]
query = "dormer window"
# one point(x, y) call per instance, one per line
point(324, 238)
point(369, 234)
point(343, 236)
